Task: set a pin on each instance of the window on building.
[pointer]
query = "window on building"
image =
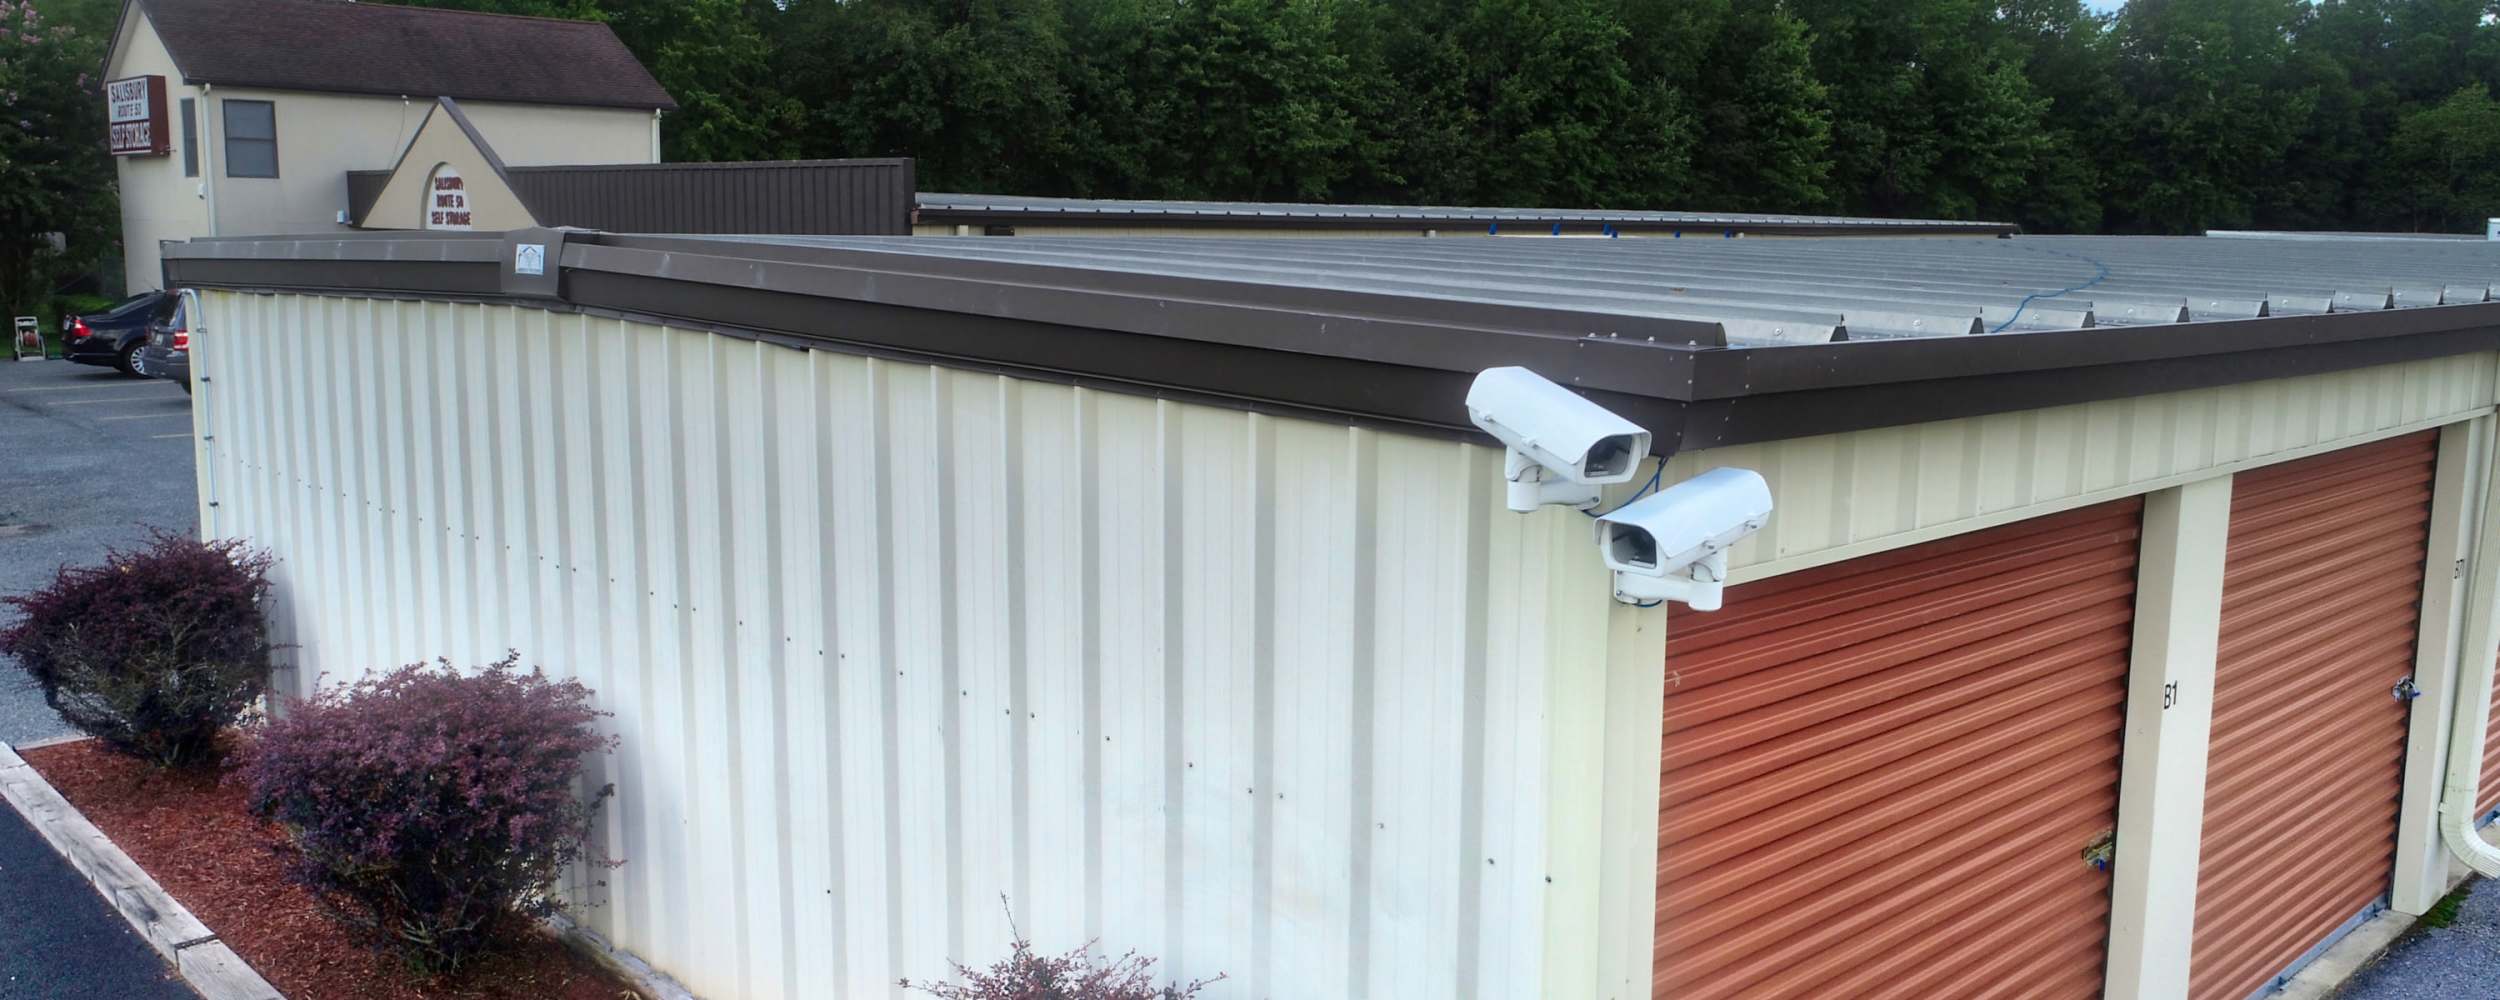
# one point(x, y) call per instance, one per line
point(251, 138)
point(190, 138)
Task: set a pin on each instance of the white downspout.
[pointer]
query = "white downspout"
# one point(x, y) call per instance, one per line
point(208, 142)
point(655, 135)
point(2474, 674)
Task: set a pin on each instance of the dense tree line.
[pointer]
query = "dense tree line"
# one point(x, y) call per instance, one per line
point(2168, 116)
point(2171, 116)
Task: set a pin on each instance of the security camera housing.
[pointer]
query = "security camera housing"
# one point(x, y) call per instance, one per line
point(1672, 546)
point(1563, 448)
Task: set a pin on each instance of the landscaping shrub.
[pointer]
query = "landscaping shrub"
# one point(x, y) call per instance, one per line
point(1077, 975)
point(431, 807)
point(153, 652)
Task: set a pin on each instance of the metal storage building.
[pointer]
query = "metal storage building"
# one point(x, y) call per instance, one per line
point(2111, 636)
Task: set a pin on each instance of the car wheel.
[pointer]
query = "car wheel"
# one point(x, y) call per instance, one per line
point(128, 361)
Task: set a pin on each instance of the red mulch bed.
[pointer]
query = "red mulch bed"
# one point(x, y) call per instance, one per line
point(192, 833)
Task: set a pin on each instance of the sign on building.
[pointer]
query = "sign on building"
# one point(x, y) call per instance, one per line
point(446, 199)
point(135, 115)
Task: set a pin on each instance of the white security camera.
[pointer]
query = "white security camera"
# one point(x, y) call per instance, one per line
point(1672, 546)
point(1562, 447)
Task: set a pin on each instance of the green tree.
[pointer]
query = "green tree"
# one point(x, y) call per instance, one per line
point(2446, 161)
point(971, 89)
point(713, 56)
point(2066, 54)
point(1114, 102)
point(1258, 84)
point(1237, 99)
point(1417, 128)
point(2340, 55)
point(1769, 118)
point(93, 20)
point(1932, 114)
point(2212, 116)
point(57, 208)
point(1565, 119)
point(1760, 118)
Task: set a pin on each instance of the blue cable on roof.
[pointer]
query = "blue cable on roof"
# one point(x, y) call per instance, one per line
point(2103, 275)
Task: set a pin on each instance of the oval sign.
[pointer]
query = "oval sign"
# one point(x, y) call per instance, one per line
point(446, 199)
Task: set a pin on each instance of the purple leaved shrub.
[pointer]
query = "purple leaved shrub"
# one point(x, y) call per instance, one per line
point(431, 807)
point(154, 652)
point(1077, 975)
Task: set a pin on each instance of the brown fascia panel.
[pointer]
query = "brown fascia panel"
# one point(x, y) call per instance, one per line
point(1370, 359)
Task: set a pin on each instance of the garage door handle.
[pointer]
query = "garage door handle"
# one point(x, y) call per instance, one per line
point(2406, 690)
point(2102, 851)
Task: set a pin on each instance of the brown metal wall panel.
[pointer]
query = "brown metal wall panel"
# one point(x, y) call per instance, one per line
point(804, 197)
point(2321, 593)
point(1879, 777)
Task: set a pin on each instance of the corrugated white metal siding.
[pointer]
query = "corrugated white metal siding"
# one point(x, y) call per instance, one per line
point(1847, 495)
point(1256, 696)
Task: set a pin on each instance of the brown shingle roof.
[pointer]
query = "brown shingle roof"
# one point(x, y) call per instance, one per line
point(366, 48)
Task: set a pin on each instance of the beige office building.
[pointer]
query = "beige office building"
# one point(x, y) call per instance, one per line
point(243, 117)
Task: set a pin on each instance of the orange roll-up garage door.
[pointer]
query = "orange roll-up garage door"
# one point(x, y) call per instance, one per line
point(2321, 581)
point(2489, 789)
point(1882, 777)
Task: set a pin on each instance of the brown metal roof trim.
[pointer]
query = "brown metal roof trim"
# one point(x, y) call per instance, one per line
point(1394, 358)
point(325, 46)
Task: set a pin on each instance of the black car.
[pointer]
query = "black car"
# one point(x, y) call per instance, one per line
point(112, 338)
point(167, 352)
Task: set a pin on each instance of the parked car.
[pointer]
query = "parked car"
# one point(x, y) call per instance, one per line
point(112, 338)
point(167, 353)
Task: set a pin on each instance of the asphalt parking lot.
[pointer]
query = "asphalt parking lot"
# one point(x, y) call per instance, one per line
point(58, 939)
point(90, 459)
point(2454, 955)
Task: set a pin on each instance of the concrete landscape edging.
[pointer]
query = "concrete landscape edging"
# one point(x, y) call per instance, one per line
point(2326, 975)
point(651, 983)
point(194, 951)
